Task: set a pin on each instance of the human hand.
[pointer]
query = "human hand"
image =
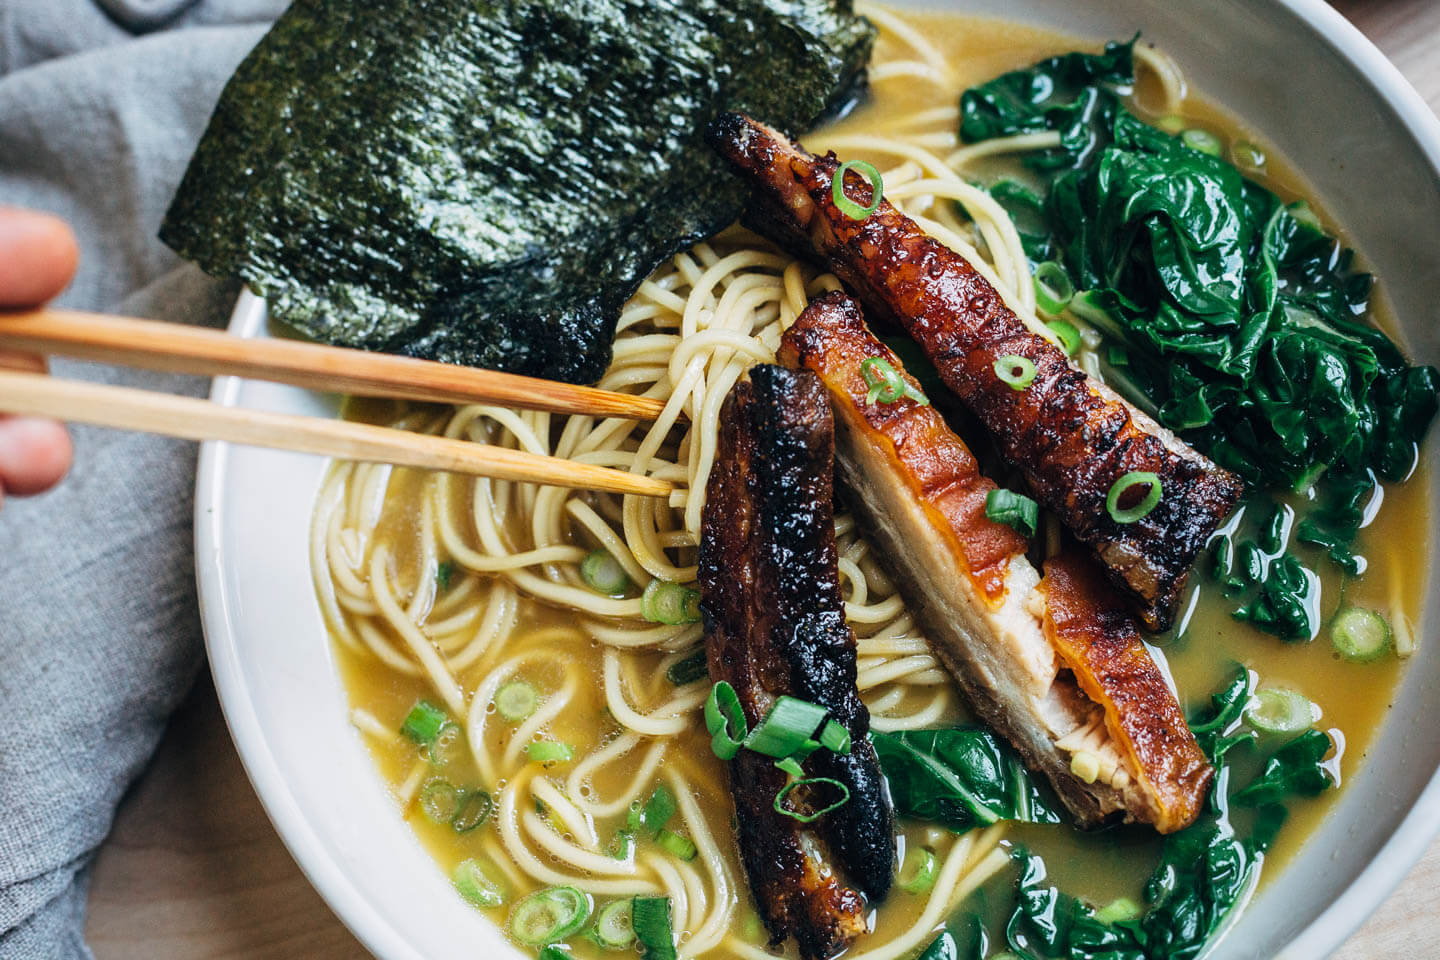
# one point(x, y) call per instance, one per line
point(37, 260)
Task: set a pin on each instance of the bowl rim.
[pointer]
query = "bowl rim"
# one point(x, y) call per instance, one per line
point(1326, 933)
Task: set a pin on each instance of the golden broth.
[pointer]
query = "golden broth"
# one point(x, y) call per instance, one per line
point(1354, 697)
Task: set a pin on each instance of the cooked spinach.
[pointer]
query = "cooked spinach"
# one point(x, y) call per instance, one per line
point(1297, 768)
point(486, 181)
point(960, 777)
point(1204, 870)
point(1238, 319)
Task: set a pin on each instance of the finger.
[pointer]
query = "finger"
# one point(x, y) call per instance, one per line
point(34, 454)
point(37, 257)
point(24, 362)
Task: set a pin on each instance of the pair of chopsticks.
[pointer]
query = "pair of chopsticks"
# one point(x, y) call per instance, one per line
point(184, 349)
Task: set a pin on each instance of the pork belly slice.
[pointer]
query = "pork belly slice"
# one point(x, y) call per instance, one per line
point(1069, 435)
point(1056, 665)
point(775, 625)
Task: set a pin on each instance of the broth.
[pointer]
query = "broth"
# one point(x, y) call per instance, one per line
point(1353, 697)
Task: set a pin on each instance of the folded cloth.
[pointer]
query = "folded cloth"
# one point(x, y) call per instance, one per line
point(99, 634)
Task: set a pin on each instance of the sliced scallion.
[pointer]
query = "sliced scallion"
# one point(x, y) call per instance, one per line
point(849, 207)
point(917, 873)
point(476, 885)
point(623, 846)
point(603, 574)
point(516, 701)
point(791, 766)
point(787, 729)
point(1013, 509)
point(834, 737)
point(549, 751)
point(1247, 156)
point(1359, 634)
point(614, 929)
point(1278, 710)
point(423, 721)
point(887, 385)
point(553, 952)
point(1203, 140)
point(1015, 371)
point(444, 573)
point(689, 670)
point(803, 817)
point(725, 719)
point(439, 800)
point(445, 745)
point(1117, 356)
point(549, 915)
point(1146, 503)
point(670, 603)
point(650, 917)
point(475, 810)
point(658, 809)
point(1053, 288)
point(676, 845)
point(1118, 910)
point(1068, 336)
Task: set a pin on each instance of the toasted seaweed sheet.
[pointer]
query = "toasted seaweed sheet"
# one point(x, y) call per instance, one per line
point(485, 182)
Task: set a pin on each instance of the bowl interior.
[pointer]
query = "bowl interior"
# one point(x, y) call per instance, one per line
point(1291, 70)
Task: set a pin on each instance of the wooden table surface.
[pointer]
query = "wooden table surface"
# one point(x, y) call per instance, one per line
point(193, 868)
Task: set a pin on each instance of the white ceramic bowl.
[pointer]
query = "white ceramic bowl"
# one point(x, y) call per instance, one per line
point(1293, 69)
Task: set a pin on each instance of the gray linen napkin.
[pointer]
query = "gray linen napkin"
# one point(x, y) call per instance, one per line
point(99, 635)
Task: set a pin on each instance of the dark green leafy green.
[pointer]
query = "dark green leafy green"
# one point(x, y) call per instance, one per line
point(1073, 93)
point(1204, 870)
point(941, 948)
point(1284, 594)
point(486, 181)
point(1241, 320)
point(1288, 604)
point(960, 777)
point(1298, 767)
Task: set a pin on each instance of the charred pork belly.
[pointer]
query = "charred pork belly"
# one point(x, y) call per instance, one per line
point(1056, 665)
point(774, 626)
point(1071, 436)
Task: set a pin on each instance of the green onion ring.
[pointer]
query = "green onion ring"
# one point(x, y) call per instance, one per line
point(722, 714)
point(1053, 289)
point(849, 207)
point(811, 817)
point(917, 873)
point(1133, 479)
point(1015, 370)
point(1069, 337)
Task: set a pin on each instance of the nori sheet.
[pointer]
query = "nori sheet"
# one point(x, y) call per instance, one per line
point(485, 182)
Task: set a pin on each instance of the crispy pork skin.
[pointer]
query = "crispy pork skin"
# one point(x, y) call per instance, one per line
point(775, 625)
point(1056, 666)
point(1070, 436)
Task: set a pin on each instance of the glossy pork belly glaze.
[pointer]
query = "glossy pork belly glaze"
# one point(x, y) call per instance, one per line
point(1070, 436)
point(775, 625)
point(1055, 665)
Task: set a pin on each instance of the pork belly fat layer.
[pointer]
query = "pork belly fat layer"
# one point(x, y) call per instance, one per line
point(1098, 641)
point(995, 643)
point(1069, 435)
point(775, 625)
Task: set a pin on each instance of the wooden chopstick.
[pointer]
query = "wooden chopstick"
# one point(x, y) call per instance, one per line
point(185, 349)
point(191, 419)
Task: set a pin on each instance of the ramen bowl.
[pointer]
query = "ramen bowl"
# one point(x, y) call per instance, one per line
point(1369, 149)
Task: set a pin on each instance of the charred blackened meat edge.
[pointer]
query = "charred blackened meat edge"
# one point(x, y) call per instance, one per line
point(1069, 435)
point(775, 625)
